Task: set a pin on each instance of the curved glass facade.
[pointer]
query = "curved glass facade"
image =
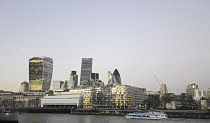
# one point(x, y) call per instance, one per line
point(116, 79)
point(40, 73)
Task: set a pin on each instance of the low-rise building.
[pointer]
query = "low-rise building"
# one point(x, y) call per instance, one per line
point(63, 99)
point(26, 99)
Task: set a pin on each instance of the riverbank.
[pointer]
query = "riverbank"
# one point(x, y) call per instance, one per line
point(197, 114)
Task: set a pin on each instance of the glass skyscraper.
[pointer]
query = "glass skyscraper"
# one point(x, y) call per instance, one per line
point(73, 83)
point(116, 79)
point(94, 77)
point(23, 87)
point(40, 73)
point(86, 70)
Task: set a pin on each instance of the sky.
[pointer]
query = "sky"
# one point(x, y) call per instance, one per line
point(140, 38)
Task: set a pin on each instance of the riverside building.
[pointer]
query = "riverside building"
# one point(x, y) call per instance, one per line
point(63, 99)
point(113, 97)
point(40, 73)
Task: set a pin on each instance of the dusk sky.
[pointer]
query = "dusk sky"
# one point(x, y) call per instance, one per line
point(140, 38)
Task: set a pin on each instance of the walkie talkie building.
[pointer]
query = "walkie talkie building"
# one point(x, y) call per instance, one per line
point(40, 73)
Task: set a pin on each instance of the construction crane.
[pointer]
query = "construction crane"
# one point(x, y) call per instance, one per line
point(157, 80)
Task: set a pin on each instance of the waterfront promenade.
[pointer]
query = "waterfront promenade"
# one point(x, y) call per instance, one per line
point(198, 114)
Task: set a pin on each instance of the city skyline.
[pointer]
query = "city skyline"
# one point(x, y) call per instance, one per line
point(169, 39)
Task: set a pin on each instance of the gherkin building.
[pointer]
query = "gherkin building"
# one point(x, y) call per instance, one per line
point(116, 79)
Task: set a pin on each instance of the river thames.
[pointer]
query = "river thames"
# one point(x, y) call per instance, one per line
point(67, 118)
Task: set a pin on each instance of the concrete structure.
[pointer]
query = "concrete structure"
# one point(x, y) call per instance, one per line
point(63, 99)
point(110, 78)
point(204, 104)
point(152, 93)
point(24, 87)
point(58, 85)
point(173, 105)
point(119, 96)
point(40, 73)
point(163, 90)
point(190, 89)
point(86, 70)
point(25, 99)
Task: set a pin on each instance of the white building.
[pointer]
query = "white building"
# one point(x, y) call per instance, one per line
point(63, 99)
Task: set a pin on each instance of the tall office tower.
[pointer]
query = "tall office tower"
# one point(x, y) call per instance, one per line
point(40, 73)
point(116, 77)
point(73, 83)
point(163, 90)
point(23, 87)
point(58, 85)
point(109, 78)
point(190, 89)
point(86, 70)
point(94, 77)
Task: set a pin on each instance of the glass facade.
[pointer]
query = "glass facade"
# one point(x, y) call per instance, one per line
point(23, 87)
point(94, 77)
point(86, 70)
point(118, 97)
point(40, 73)
point(116, 79)
point(73, 83)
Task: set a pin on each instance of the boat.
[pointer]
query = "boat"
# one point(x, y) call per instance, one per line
point(9, 116)
point(151, 115)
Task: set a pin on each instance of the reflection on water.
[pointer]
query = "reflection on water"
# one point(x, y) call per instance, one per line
point(67, 118)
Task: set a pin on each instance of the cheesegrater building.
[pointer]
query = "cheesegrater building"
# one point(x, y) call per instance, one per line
point(86, 70)
point(40, 73)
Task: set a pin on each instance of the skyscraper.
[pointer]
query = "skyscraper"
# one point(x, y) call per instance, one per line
point(163, 90)
point(86, 70)
point(40, 73)
point(94, 77)
point(109, 78)
point(190, 89)
point(73, 83)
point(116, 77)
point(23, 87)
